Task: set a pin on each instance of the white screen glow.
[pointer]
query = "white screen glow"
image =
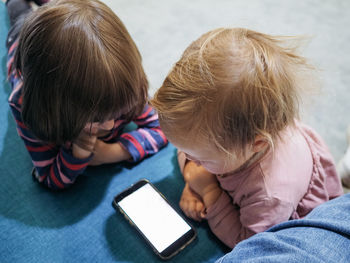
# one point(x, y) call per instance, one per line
point(154, 217)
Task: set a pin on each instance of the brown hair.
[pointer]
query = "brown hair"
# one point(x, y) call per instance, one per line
point(231, 85)
point(78, 64)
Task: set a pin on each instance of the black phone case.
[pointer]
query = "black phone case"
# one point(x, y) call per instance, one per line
point(178, 245)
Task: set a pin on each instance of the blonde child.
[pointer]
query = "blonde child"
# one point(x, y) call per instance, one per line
point(77, 80)
point(230, 106)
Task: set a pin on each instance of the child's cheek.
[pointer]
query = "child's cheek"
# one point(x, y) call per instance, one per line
point(211, 167)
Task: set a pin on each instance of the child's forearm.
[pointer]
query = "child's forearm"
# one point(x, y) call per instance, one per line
point(109, 153)
point(84, 145)
point(59, 172)
point(79, 152)
point(117, 153)
point(212, 194)
point(225, 221)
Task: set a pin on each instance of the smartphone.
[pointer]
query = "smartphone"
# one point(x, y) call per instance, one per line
point(163, 228)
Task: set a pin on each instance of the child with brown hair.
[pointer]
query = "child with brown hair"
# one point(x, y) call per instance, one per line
point(230, 105)
point(77, 80)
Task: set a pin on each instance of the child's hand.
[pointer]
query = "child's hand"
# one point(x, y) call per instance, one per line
point(202, 182)
point(192, 170)
point(108, 153)
point(101, 148)
point(198, 177)
point(84, 145)
point(192, 204)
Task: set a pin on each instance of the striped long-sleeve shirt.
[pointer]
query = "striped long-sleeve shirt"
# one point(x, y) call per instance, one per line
point(55, 166)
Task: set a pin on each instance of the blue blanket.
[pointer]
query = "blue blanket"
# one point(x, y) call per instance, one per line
point(79, 224)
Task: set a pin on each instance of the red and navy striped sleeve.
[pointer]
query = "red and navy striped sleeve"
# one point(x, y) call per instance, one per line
point(55, 166)
point(147, 139)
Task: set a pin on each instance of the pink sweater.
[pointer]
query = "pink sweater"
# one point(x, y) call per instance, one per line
point(286, 184)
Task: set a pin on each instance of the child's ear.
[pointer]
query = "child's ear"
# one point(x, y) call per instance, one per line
point(260, 143)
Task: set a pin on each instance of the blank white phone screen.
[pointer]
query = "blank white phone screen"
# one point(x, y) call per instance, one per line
point(154, 217)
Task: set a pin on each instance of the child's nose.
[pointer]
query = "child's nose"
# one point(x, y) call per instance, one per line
point(107, 125)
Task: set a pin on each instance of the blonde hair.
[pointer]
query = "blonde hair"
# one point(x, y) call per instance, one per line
point(231, 85)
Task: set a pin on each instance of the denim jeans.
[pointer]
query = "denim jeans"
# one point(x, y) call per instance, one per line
point(322, 236)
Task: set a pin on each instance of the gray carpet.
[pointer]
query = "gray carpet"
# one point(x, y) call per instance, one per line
point(162, 30)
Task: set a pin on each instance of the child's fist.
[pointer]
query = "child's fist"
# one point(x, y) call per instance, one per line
point(191, 204)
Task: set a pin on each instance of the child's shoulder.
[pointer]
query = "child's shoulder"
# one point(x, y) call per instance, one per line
point(291, 154)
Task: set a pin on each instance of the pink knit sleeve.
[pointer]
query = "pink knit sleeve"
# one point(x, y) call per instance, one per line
point(232, 224)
